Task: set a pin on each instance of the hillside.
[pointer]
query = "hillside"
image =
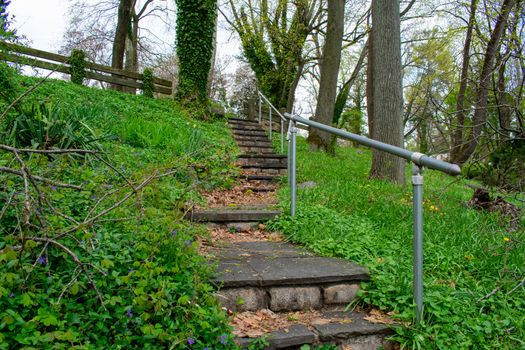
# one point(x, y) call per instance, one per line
point(112, 264)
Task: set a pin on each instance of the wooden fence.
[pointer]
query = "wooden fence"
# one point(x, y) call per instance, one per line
point(59, 63)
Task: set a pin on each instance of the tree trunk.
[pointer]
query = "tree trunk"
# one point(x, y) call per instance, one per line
point(387, 125)
point(370, 86)
point(504, 107)
point(324, 110)
point(131, 60)
point(119, 42)
point(293, 87)
point(457, 138)
point(480, 114)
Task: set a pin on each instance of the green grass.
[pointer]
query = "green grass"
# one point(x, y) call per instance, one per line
point(154, 282)
point(467, 253)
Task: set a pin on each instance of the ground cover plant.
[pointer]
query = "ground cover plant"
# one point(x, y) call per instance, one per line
point(474, 268)
point(93, 252)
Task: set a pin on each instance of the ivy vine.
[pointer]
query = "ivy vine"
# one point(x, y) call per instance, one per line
point(77, 66)
point(195, 30)
point(147, 82)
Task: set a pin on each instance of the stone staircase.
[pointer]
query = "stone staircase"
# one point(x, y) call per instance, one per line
point(276, 278)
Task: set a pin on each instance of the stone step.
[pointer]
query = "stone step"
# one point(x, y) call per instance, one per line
point(344, 329)
point(241, 214)
point(242, 121)
point(246, 126)
point(258, 150)
point(282, 277)
point(242, 132)
point(259, 156)
point(251, 138)
point(260, 161)
point(264, 171)
point(266, 165)
point(248, 143)
point(261, 178)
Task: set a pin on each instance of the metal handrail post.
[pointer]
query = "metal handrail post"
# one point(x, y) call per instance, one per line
point(293, 183)
point(260, 109)
point(282, 136)
point(417, 185)
point(270, 109)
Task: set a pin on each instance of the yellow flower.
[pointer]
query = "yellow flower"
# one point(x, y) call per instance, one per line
point(506, 239)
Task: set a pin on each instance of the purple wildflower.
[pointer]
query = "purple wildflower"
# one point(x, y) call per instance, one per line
point(174, 233)
point(188, 243)
point(41, 260)
point(129, 313)
point(191, 341)
point(223, 339)
point(11, 295)
point(53, 188)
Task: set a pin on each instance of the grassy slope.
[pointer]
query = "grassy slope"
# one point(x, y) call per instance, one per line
point(155, 292)
point(467, 253)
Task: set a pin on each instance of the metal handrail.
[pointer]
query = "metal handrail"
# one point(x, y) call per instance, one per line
point(418, 159)
point(272, 107)
point(415, 157)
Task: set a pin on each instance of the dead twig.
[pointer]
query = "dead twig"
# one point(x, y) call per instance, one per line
point(31, 89)
point(76, 260)
point(519, 285)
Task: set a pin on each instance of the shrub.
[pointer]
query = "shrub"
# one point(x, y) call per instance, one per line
point(77, 66)
point(147, 82)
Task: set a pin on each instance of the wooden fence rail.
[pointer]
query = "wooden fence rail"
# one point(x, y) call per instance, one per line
point(55, 62)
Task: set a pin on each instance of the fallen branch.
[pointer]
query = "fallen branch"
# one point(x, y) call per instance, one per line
point(47, 151)
point(40, 179)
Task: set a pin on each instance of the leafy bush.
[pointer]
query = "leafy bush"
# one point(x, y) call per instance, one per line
point(45, 126)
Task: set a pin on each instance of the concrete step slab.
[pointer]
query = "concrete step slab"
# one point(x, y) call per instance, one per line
point(276, 264)
point(241, 214)
point(261, 178)
point(274, 156)
point(266, 165)
point(245, 126)
point(243, 132)
point(240, 120)
point(258, 150)
point(246, 143)
point(344, 329)
point(251, 138)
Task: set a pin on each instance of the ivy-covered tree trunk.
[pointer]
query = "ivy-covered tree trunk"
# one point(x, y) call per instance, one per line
point(195, 31)
point(273, 35)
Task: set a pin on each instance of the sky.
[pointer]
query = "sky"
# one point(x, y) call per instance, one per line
point(43, 23)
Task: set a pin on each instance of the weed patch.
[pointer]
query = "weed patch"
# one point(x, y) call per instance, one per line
point(468, 254)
